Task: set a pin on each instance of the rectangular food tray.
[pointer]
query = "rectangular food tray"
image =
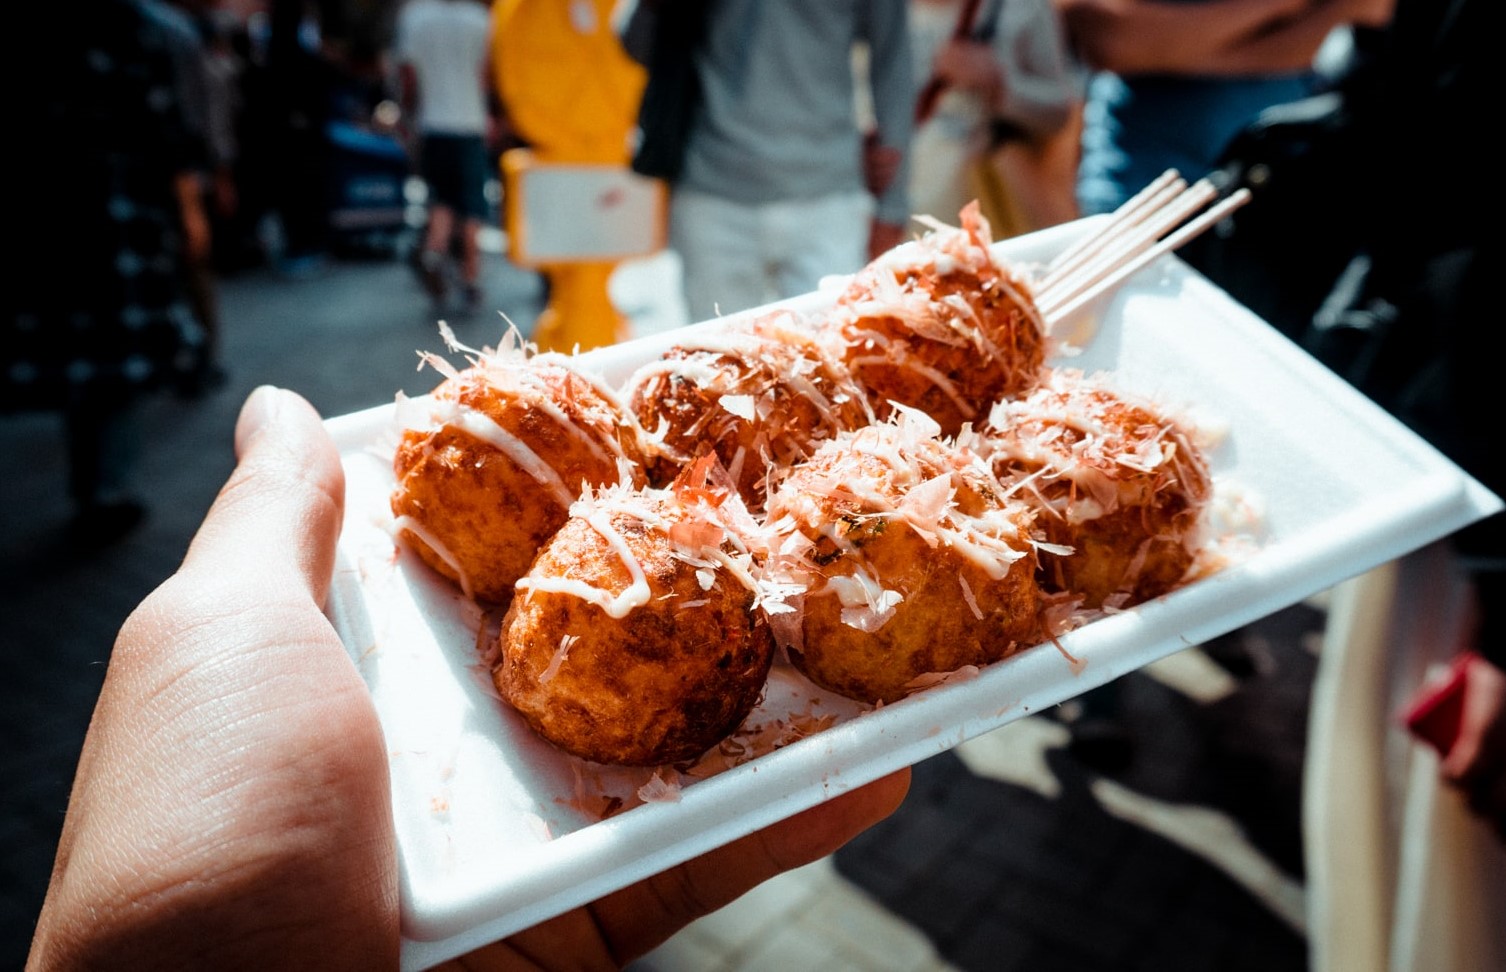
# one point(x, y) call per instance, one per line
point(498, 830)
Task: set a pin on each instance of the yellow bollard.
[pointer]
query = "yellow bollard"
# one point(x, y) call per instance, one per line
point(580, 313)
point(572, 93)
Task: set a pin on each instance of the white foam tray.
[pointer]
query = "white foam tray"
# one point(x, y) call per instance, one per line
point(491, 834)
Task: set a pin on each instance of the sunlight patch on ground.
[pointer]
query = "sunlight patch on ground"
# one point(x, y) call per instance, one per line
point(1195, 675)
point(1217, 839)
point(1016, 754)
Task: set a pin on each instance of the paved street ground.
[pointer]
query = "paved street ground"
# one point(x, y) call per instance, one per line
point(1008, 854)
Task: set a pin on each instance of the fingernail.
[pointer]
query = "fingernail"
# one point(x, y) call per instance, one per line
point(256, 414)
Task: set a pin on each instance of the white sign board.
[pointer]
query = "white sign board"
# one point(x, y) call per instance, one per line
point(570, 213)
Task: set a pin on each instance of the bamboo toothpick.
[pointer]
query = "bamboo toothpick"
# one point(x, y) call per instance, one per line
point(1126, 246)
point(1123, 217)
point(1061, 311)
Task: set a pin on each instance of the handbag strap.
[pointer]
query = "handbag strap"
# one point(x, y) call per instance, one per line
point(966, 28)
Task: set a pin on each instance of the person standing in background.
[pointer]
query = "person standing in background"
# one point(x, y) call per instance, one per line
point(1400, 304)
point(96, 316)
point(296, 87)
point(1005, 85)
point(1404, 782)
point(207, 96)
point(224, 70)
point(442, 54)
point(775, 184)
point(1175, 80)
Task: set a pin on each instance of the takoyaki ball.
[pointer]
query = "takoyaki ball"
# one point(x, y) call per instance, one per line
point(941, 325)
point(911, 560)
point(760, 398)
point(491, 462)
point(1116, 480)
point(635, 638)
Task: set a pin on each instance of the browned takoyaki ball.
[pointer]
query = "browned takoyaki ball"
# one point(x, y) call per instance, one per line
point(912, 562)
point(495, 458)
point(760, 397)
point(635, 638)
point(942, 326)
point(1114, 479)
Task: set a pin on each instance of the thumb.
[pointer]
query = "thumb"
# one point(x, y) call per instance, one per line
point(278, 516)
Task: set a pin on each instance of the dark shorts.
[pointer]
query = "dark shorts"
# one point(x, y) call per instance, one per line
point(455, 169)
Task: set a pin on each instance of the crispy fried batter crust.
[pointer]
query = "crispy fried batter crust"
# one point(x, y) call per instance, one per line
point(1117, 481)
point(951, 611)
point(948, 330)
point(490, 513)
point(664, 683)
point(760, 401)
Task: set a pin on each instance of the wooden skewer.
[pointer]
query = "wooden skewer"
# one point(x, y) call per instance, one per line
point(1145, 257)
point(1098, 262)
point(1124, 247)
point(1122, 218)
point(1144, 199)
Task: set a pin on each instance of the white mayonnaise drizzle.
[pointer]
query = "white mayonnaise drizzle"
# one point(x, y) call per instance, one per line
point(441, 551)
point(488, 430)
point(617, 606)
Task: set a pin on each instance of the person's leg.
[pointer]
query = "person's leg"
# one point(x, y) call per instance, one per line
point(440, 229)
point(809, 239)
point(470, 261)
point(473, 173)
point(433, 261)
point(717, 244)
point(103, 442)
point(304, 203)
point(440, 157)
point(202, 290)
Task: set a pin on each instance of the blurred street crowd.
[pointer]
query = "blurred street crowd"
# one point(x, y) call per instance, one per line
point(192, 139)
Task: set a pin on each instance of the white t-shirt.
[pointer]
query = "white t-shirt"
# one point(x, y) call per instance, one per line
point(446, 42)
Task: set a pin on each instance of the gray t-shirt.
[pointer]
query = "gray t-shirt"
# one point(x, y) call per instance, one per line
point(446, 42)
point(778, 117)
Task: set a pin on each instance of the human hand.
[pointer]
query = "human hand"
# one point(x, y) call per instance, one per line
point(622, 926)
point(197, 242)
point(970, 65)
point(192, 219)
point(1476, 763)
point(231, 806)
point(226, 195)
point(883, 237)
point(880, 164)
